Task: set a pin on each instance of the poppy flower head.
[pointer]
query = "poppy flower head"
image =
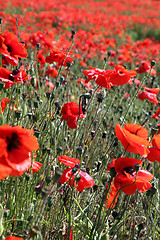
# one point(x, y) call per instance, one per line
point(68, 161)
point(16, 145)
point(13, 48)
point(133, 138)
point(85, 180)
point(70, 112)
point(120, 75)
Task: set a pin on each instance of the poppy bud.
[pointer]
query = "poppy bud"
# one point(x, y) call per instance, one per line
point(48, 179)
point(34, 231)
point(57, 84)
point(104, 134)
point(2, 85)
point(48, 95)
point(27, 176)
point(77, 178)
point(80, 150)
point(109, 53)
point(100, 97)
point(93, 134)
point(1, 20)
point(87, 170)
point(98, 165)
point(137, 166)
point(95, 188)
point(38, 45)
point(68, 64)
point(115, 142)
point(112, 172)
point(59, 150)
point(115, 214)
point(87, 95)
point(18, 114)
point(73, 31)
point(74, 170)
point(153, 63)
point(24, 96)
point(57, 104)
point(36, 104)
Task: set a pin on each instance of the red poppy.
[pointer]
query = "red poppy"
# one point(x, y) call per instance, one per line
point(13, 238)
point(143, 67)
point(15, 49)
point(52, 72)
point(99, 75)
point(70, 112)
point(16, 145)
point(41, 58)
point(154, 153)
point(157, 114)
point(127, 175)
point(59, 57)
point(149, 93)
point(133, 138)
point(120, 75)
point(68, 161)
point(12, 77)
point(85, 181)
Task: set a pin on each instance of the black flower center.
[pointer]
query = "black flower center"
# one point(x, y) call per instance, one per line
point(129, 170)
point(13, 142)
point(9, 49)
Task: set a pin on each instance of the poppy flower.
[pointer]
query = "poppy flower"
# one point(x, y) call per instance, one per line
point(52, 72)
point(120, 75)
point(68, 161)
point(70, 112)
point(157, 114)
point(12, 238)
point(16, 145)
point(154, 153)
point(149, 93)
point(85, 181)
point(41, 58)
point(127, 175)
point(99, 75)
point(15, 49)
point(12, 77)
point(133, 138)
point(144, 67)
point(59, 57)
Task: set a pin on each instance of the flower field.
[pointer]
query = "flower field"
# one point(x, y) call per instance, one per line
point(79, 120)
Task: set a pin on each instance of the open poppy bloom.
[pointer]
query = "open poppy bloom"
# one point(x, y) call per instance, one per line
point(12, 77)
point(70, 112)
point(11, 48)
point(16, 145)
point(127, 175)
point(150, 93)
point(85, 180)
point(68, 161)
point(154, 153)
point(133, 138)
point(59, 57)
point(99, 75)
point(157, 114)
point(120, 75)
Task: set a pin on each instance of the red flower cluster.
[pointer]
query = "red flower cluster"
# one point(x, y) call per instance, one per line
point(119, 76)
point(133, 138)
point(127, 175)
point(12, 238)
point(60, 57)
point(68, 176)
point(16, 145)
point(70, 112)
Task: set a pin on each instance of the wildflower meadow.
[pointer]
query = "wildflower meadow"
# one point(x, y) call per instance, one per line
point(79, 120)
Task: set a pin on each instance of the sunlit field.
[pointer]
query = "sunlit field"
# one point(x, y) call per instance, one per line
point(79, 120)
